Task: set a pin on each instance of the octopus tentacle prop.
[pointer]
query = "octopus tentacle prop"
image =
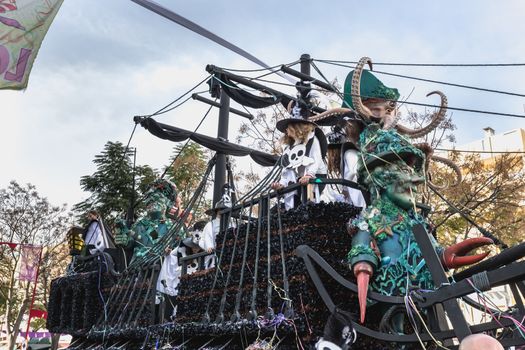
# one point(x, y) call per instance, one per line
point(330, 113)
point(429, 153)
point(452, 166)
point(436, 119)
point(356, 88)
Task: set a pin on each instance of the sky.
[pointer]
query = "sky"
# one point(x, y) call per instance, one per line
point(105, 61)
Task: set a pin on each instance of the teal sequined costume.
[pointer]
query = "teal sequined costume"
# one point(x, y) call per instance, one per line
point(151, 227)
point(391, 168)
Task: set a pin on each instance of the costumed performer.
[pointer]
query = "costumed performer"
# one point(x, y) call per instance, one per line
point(213, 227)
point(96, 237)
point(304, 150)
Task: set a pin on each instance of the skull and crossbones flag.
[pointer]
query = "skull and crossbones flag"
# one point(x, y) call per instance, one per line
point(23, 25)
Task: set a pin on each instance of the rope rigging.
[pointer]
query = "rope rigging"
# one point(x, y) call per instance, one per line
point(431, 64)
point(436, 81)
point(163, 109)
point(187, 142)
point(482, 152)
point(171, 236)
point(261, 69)
point(470, 110)
point(416, 103)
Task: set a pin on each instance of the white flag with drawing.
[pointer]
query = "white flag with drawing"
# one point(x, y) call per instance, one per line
point(23, 25)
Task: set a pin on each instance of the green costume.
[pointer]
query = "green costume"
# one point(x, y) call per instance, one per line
point(150, 228)
point(391, 168)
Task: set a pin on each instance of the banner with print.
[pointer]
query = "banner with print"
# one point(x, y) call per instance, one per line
point(23, 25)
point(30, 258)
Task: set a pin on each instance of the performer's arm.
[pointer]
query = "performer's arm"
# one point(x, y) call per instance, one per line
point(207, 241)
point(350, 171)
point(362, 250)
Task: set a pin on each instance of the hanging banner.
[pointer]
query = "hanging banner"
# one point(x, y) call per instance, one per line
point(30, 258)
point(23, 25)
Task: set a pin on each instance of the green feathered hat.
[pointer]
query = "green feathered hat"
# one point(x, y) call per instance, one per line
point(371, 87)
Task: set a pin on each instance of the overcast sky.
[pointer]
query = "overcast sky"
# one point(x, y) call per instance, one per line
point(104, 61)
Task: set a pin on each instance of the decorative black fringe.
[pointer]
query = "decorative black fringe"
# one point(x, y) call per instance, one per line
point(75, 302)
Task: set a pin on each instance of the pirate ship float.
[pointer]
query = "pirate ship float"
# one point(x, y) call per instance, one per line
point(281, 278)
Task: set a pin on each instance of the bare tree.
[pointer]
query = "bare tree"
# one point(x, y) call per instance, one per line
point(260, 133)
point(27, 218)
point(492, 193)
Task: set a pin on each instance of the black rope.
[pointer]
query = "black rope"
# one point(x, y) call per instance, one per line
point(159, 247)
point(147, 277)
point(180, 152)
point(490, 152)
point(253, 311)
point(200, 201)
point(236, 315)
point(430, 64)
point(468, 110)
point(149, 295)
point(423, 104)
point(220, 317)
point(172, 234)
point(288, 310)
point(260, 69)
point(118, 300)
point(451, 84)
point(269, 312)
point(273, 71)
point(128, 298)
point(187, 141)
point(451, 108)
point(257, 129)
point(116, 295)
point(120, 161)
point(272, 175)
point(206, 318)
point(437, 81)
point(163, 109)
point(170, 109)
point(338, 92)
point(129, 140)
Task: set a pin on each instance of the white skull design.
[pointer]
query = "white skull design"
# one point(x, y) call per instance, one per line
point(295, 156)
point(226, 199)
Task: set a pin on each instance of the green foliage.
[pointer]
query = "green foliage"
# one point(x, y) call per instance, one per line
point(111, 185)
point(187, 168)
point(38, 323)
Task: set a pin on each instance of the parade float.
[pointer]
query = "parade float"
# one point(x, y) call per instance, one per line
point(323, 274)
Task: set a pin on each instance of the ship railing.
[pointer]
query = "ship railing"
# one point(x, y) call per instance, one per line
point(237, 212)
point(305, 195)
